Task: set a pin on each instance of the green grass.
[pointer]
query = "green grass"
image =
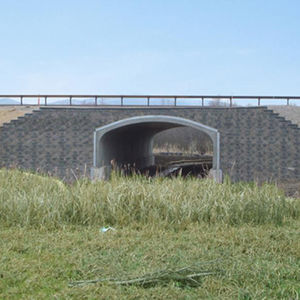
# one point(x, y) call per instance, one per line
point(49, 236)
point(27, 199)
point(259, 262)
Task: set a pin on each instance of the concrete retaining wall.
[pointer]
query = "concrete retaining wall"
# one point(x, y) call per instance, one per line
point(255, 143)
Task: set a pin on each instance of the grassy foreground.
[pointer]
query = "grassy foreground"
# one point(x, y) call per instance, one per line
point(50, 236)
point(31, 200)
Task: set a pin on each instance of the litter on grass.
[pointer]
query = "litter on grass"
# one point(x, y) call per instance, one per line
point(105, 229)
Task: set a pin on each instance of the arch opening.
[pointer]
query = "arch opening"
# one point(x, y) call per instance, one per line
point(130, 142)
point(182, 150)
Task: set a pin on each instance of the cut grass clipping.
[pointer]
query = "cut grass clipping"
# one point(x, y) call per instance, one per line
point(187, 276)
point(33, 200)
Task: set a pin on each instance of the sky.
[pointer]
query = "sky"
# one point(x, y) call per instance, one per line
point(191, 47)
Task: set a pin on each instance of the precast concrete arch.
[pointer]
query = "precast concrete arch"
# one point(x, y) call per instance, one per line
point(130, 141)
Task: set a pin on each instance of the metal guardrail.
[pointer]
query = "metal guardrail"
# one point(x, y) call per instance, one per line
point(42, 100)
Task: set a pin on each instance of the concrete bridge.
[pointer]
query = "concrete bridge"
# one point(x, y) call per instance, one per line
point(249, 143)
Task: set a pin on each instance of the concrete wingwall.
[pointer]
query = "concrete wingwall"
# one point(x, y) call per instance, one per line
point(255, 142)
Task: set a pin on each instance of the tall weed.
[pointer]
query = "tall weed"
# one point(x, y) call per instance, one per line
point(35, 200)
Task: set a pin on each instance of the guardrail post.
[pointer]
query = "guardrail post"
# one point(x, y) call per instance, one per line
point(148, 101)
point(122, 102)
point(70, 100)
point(258, 101)
point(45, 100)
point(230, 101)
point(21, 100)
point(96, 101)
point(287, 101)
point(202, 101)
point(175, 101)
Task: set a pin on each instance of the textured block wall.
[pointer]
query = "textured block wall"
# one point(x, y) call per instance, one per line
point(255, 143)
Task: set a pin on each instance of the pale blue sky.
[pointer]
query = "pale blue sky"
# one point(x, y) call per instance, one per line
point(150, 47)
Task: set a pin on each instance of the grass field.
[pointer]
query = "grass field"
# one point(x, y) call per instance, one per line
point(50, 236)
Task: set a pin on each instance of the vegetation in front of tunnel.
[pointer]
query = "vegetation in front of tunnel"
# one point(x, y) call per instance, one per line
point(35, 200)
point(50, 235)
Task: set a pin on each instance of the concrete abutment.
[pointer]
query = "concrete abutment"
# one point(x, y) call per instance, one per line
point(255, 143)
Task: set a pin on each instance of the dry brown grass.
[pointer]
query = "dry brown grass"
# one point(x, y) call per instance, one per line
point(291, 112)
point(8, 113)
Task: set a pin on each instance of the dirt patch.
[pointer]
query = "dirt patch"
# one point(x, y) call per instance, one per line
point(8, 113)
